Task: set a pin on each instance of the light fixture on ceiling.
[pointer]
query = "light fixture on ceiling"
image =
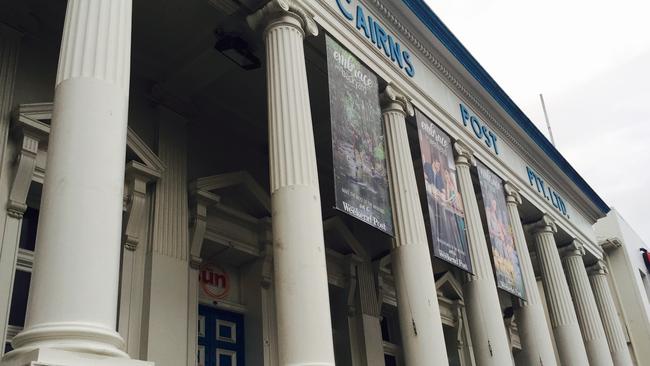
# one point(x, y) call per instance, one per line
point(237, 50)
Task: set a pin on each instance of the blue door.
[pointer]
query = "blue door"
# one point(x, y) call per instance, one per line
point(221, 338)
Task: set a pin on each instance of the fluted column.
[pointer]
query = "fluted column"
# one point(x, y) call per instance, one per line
point(167, 269)
point(564, 322)
point(584, 303)
point(536, 342)
point(74, 287)
point(611, 321)
point(300, 275)
point(423, 340)
point(9, 47)
point(365, 324)
point(489, 337)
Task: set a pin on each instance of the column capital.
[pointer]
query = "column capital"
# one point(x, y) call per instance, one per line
point(574, 249)
point(598, 268)
point(512, 193)
point(545, 224)
point(276, 10)
point(394, 99)
point(464, 155)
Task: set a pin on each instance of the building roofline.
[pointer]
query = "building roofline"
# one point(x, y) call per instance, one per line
point(424, 13)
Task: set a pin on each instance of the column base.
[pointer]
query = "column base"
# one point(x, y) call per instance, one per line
point(73, 337)
point(55, 357)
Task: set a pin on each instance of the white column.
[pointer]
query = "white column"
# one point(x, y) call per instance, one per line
point(300, 274)
point(74, 287)
point(536, 342)
point(168, 262)
point(9, 50)
point(423, 341)
point(488, 332)
point(564, 322)
point(584, 303)
point(9, 46)
point(364, 316)
point(611, 321)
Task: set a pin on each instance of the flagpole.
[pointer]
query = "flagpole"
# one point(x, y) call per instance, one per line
point(548, 124)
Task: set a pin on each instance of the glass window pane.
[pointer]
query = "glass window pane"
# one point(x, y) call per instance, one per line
point(385, 334)
point(19, 298)
point(28, 229)
point(390, 360)
point(225, 331)
point(201, 326)
point(225, 360)
point(200, 356)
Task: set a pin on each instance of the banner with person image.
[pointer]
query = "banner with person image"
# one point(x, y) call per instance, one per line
point(359, 159)
point(504, 254)
point(446, 214)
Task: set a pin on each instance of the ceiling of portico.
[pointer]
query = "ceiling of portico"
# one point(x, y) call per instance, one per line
point(174, 63)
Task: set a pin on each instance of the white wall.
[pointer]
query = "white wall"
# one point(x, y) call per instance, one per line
point(625, 266)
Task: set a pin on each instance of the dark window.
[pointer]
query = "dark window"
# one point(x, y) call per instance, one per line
point(225, 360)
point(19, 298)
point(28, 229)
point(385, 333)
point(225, 331)
point(390, 360)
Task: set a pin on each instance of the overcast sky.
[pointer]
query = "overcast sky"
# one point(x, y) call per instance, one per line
point(591, 60)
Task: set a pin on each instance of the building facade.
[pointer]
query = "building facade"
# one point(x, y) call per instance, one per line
point(629, 269)
point(169, 187)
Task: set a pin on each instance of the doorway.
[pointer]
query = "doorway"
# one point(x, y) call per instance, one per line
point(221, 337)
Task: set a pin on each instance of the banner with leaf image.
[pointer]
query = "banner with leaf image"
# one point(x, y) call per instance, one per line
point(359, 161)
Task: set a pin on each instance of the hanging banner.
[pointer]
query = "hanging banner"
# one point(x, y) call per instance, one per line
point(446, 214)
point(504, 254)
point(360, 176)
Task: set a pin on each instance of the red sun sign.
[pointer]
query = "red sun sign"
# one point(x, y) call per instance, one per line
point(215, 282)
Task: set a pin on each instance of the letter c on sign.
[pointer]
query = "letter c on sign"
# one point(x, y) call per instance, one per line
point(346, 13)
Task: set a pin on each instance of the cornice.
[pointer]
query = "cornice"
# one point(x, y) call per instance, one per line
point(477, 105)
point(444, 71)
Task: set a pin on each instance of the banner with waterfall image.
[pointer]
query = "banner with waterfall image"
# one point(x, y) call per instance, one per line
point(506, 260)
point(358, 149)
point(446, 214)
